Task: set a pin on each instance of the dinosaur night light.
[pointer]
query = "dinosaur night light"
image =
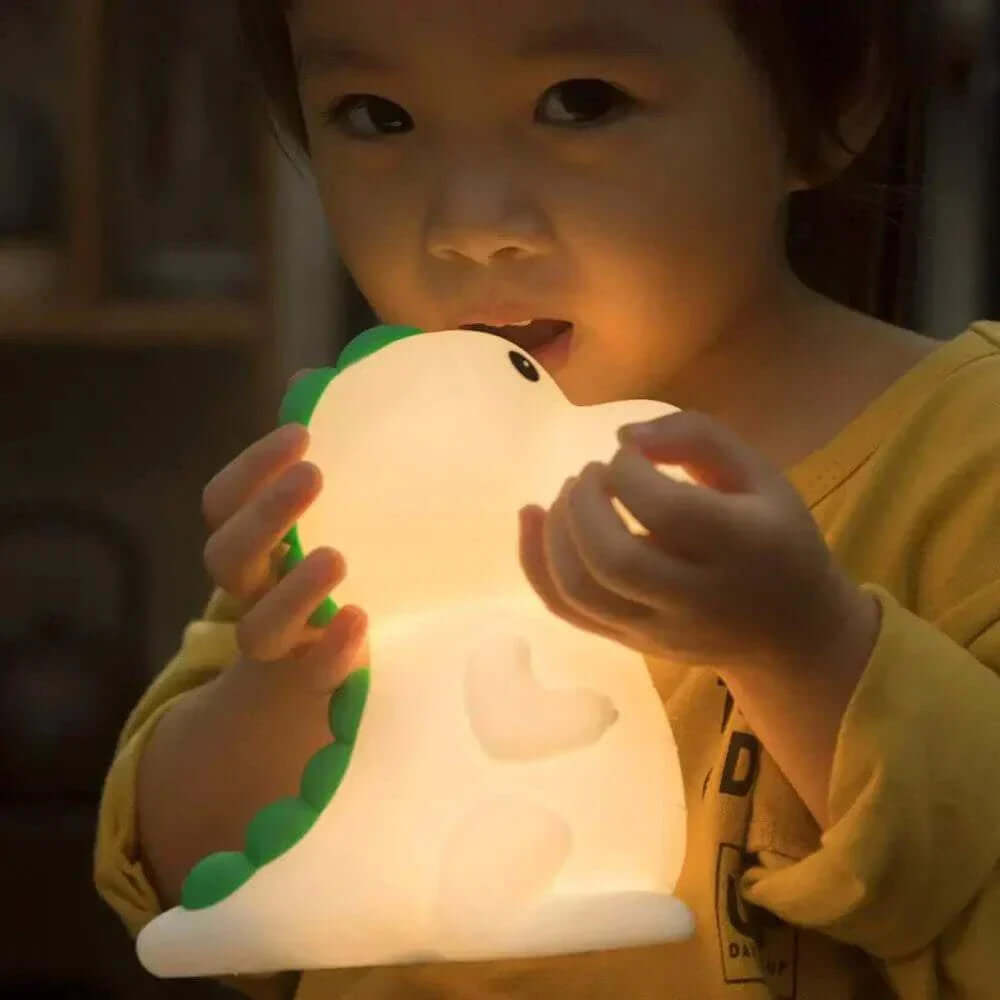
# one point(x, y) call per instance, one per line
point(500, 783)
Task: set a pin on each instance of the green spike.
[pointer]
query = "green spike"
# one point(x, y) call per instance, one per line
point(324, 773)
point(215, 877)
point(374, 339)
point(281, 824)
point(303, 395)
point(347, 705)
point(276, 828)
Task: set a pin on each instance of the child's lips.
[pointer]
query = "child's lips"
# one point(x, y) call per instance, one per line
point(531, 337)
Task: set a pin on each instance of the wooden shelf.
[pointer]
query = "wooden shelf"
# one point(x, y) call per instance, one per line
point(132, 323)
point(28, 244)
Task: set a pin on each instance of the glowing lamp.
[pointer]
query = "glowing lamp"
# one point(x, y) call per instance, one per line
point(501, 784)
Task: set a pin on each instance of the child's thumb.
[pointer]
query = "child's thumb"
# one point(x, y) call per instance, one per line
point(342, 648)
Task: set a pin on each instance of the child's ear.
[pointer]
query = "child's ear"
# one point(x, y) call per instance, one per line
point(857, 128)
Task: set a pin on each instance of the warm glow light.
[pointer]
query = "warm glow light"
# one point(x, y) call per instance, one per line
point(502, 784)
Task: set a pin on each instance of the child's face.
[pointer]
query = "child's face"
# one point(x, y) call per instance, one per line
point(642, 205)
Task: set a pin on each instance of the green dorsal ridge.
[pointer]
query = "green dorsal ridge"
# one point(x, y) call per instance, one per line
point(370, 341)
point(298, 406)
point(281, 824)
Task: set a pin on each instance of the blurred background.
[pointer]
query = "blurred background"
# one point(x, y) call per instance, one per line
point(164, 269)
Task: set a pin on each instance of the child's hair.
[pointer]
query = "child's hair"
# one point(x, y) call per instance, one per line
point(818, 58)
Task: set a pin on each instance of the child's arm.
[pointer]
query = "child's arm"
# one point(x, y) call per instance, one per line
point(242, 739)
point(208, 647)
point(125, 877)
point(231, 722)
point(224, 751)
point(909, 864)
point(909, 868)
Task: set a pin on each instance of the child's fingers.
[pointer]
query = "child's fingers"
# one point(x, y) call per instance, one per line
point(251, 470)
point(276, 624)
point(239, 554)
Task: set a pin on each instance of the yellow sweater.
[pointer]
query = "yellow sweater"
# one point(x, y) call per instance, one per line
point(902, 888)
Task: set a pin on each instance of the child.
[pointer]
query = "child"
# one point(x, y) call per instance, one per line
point(821, 616)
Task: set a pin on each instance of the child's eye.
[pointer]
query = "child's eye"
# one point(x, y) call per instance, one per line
point(364, 116)
point(585, 102)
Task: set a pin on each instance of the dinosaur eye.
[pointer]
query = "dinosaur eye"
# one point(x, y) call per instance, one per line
point(524, 366)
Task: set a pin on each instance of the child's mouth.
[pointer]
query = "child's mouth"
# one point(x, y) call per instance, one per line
point(528, 336)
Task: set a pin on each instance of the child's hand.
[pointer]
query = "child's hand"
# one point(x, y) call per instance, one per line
point(733, 574)
point(249, 506)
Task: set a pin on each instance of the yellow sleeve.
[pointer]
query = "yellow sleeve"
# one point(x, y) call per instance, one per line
point(208, 647)
point(909, 868)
